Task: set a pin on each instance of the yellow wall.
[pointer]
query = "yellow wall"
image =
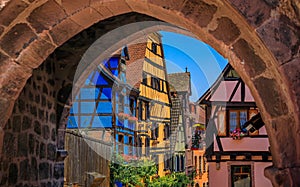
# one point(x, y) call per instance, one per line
point(200, 178)
point(159, 108)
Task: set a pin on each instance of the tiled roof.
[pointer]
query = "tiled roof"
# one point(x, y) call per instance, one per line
point(135, 64)
point(179, 82)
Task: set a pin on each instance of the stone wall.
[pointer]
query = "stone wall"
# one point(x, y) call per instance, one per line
point(29, 150)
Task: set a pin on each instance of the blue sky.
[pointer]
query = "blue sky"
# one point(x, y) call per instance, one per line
point(203, 62)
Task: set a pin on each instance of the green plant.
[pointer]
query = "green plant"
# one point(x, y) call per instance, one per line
point(131, 172)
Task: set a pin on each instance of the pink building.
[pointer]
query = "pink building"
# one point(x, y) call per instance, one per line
point(236, 157)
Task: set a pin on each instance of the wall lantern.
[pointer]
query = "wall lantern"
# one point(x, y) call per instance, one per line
point(255, 123)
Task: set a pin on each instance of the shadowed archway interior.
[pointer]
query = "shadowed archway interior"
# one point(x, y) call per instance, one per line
point(31, 129)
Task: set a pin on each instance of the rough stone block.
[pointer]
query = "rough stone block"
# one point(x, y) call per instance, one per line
point(5, 63)
point(281, 37)
point(31, 143)
point(37, 127)
point(200, 12)
point(168, 4)
point(26, 123)
point(255, 11)
point(13, 174)
point(283, 176)
point(23, 144)
point(72, 6)
point(115, 7)
point(11, 10)
point(9, 145)
point(64, 31)
point(37, 52)
point(42, 151)
point(51, 152)
point(46, 132)
point(17, 123)
point(103, 10)
point(25, 170)
point(44, 170)
point(46, 16)
point(86, 17)
point(271, 96)
point(292, 72)
point(226, 31)
point(58, 171)
point(253, 63)
point(1, 30)
point(16, 39)
point(21, 105)
point(53, 134)
point(33, 169)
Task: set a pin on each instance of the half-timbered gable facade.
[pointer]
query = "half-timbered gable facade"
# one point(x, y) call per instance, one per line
point(180, 89)
point(103, 108)
point(237, 157)
point(146, 71)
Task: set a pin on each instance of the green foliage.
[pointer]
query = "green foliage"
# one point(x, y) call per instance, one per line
point(138, 172)
point(131, 172)
point(174, 179)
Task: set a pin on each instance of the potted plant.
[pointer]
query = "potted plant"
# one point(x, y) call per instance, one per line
point(132, 119)
point(237, 134)
point(122, 115)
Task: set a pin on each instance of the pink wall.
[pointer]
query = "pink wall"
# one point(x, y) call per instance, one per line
point(260, 179)
point(244, 144)
point(220, 178)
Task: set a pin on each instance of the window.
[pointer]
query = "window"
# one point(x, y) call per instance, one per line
point(144, 112)
point(132, 106)
point(166, 162)
point(195, 162)
point(155, 131)
point(121, 103)
point(182, 162)
point(177, 163)
point(162, 85)
point(121, 141)
point(166, 131)
point(139, 146)
point(200, 164)
point(130, 142)
point(236, 119)
point(144, 78)
point(241, 176)
point(155, 83)
point(154, 48)
point(147, 146)
point(204, 164)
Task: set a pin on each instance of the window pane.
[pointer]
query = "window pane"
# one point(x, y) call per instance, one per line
point(233, 119)
point(243, 118)
point(241, 176)
point(87, 107)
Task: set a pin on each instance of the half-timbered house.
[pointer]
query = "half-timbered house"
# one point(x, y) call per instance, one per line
point(102, 107)
point(146, 72)
point(236, 156)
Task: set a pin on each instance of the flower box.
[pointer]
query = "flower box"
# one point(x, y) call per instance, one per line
point(237, 134)
point(132, 119)
point(122, 115)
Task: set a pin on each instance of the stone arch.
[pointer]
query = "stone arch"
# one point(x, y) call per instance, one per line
point(28, 35)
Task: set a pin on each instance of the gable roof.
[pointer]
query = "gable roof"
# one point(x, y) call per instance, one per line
point(180, 82)
point(227, 88)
